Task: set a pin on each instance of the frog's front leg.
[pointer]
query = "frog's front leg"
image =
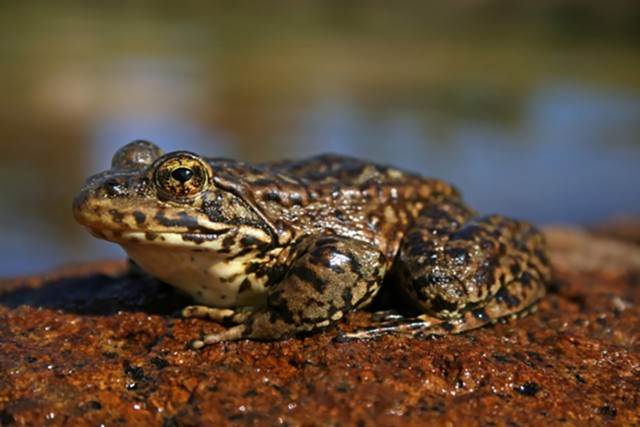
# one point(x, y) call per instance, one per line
point(464, 271)
point(329, 276)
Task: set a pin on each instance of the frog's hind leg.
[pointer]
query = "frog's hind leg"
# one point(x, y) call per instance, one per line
point(464, 271)
point(329, 276)
point(517, 300)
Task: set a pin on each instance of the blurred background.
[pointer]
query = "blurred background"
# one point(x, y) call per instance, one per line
point(531, 108)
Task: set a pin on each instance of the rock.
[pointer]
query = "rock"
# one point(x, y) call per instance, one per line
point(89, 346)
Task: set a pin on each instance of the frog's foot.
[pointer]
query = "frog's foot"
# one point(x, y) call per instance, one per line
point(219, 315)
point(517, 300)
point(234, 333)
point(452, 263)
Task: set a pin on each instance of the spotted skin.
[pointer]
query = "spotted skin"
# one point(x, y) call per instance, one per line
point(289, 247)
point(462, 272)
point(311, 295)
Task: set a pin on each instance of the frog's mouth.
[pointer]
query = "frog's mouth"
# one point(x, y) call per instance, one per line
point(228, 240)
point(126, 223)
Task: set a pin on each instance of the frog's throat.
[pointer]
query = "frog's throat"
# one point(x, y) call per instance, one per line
point(214, 279)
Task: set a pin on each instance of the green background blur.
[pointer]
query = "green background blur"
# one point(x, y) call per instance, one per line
point(532, 108)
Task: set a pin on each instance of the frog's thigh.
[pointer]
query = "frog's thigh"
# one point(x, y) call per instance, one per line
point(331, 276)
point(448, 271)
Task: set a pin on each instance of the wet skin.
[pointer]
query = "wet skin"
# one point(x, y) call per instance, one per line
point(289, 247)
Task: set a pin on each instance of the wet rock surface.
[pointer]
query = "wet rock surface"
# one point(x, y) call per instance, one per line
point(88, 345)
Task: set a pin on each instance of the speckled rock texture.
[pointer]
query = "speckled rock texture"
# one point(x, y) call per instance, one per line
point(88, 346)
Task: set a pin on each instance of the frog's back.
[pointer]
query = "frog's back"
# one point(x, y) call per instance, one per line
point(339, 195)
point(334, 169)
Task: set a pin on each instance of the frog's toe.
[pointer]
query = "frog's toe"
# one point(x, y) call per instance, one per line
point(219, 315)
point(396, 324)
point(232, 334)
point(204, 312)
point(386, 315)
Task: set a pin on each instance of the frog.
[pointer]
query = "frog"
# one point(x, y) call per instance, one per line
point(286, 248)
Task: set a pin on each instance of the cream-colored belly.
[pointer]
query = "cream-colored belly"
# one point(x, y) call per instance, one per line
point(212, 279)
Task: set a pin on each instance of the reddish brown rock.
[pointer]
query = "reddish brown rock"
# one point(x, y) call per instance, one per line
point(86, 346)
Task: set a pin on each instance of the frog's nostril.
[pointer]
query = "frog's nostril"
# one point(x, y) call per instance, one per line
point(113, 188)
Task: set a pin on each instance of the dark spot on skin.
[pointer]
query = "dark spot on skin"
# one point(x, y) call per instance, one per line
point(244, 286)
point(275, 274)
point(195, 238)
point(250, 241)
point(244, 251)
point(440, 304)
point(308, 275)
point(279, 308)
point(140, 217)
point(447, 326)
point(503, 296)
point(480, 314)
point(184, 220)
point(459, 256)
point(525, 279)
point(502, 358)
point(437, 278)
point(327, 241)
point(528, 389)
point(228, 241)
point(252, 268)
point(515, 269)
point(347, 297)
point(272, 196)
point(151, 236)
point(116, 216)
point(333, 309)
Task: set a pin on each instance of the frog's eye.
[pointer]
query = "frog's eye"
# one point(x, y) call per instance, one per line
point(182, 175)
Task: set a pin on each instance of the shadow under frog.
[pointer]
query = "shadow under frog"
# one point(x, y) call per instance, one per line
point(99, 294)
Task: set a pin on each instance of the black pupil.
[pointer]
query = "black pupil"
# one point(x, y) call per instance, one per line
point(182, 174)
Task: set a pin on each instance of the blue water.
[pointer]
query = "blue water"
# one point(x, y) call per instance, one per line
point(529, 114)
point(571, 157)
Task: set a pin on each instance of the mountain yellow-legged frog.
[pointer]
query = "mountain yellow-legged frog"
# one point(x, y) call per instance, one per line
point(281, 248)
